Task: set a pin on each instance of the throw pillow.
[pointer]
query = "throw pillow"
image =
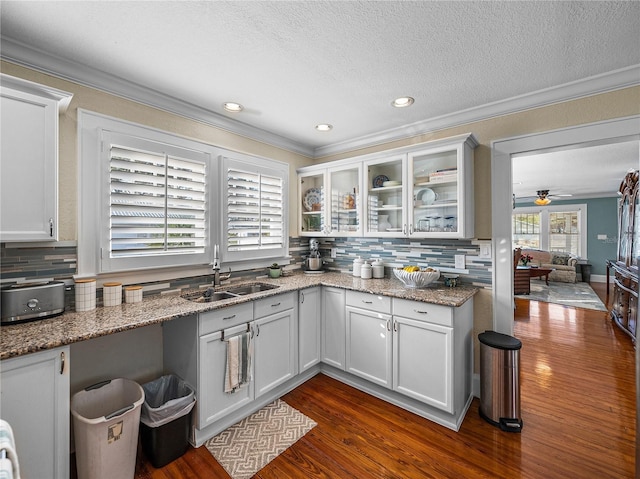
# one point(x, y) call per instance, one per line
point(560, 259)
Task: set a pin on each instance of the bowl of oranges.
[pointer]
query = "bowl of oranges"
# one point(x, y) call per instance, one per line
point(416, 277)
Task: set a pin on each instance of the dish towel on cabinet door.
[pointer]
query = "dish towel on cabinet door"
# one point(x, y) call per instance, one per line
point(9, 467)
point(238, 368)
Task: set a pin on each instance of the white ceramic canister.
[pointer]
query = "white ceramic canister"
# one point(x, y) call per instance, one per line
point(378, 268)
point(85, 294)
point(366, 271)
point(112, 294)
point(133, 294)
point(357, 266)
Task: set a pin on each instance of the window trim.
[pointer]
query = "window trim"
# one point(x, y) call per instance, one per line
point(93, 198)
point(544, 212)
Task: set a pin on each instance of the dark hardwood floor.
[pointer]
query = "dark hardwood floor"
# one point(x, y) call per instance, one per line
point(578, 408)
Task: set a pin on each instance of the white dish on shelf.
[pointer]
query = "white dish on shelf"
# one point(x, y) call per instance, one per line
point(311, 197)
point(427, 196)
point(394, 229)
point(391, 183)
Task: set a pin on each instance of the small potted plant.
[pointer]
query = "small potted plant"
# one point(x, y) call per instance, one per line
point(275, 270)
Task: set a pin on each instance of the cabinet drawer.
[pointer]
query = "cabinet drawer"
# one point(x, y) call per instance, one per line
point(212, 321)
point(432, 313)
point(382, 304)
point(273, 304)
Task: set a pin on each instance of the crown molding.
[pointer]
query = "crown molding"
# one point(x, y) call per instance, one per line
point(24, 55)
point(610, 81)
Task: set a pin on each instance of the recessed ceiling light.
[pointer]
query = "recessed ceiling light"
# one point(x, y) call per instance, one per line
point(233, 107)
point(324, 127)
point(402, 102)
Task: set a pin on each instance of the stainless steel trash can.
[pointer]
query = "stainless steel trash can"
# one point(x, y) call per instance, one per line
point(500, 380)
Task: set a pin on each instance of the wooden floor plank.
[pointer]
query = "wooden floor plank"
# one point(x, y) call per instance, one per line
point(578, 407)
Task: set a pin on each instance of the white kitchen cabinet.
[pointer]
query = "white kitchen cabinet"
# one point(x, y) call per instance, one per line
point(333, 327)
point(309, 344)
point(440, 195)
point(330, 200)
point(34, 400)
point(369, 337)
point(275, 341)
point(213, 402)
point(432, 353)
point(29, 159)
point(421, 191)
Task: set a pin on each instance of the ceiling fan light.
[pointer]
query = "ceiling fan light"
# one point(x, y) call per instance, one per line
point(542, 199)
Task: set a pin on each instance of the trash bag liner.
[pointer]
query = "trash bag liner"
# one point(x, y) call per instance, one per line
point(166, 398)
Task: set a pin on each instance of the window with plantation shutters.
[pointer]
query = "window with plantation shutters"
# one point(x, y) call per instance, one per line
point(157, 203)
point(156, 208)
point(255, 210)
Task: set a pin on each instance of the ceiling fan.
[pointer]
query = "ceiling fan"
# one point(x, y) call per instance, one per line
point(543, 198)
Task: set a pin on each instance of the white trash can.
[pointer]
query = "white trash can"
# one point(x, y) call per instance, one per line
point(106, 419)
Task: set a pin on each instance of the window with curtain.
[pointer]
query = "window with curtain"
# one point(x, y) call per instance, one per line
point(255, 209)
point(552, 228)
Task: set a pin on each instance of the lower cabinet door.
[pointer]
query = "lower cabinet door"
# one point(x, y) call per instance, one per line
point(368, 353)
point(308, 328)
point(333, 327)
point(213, 403)
point(423, 362)
point(274, 351)
point(35, 402)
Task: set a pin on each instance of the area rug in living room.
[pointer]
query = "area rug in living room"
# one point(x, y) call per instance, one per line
point(248, 446)
point(578, 295)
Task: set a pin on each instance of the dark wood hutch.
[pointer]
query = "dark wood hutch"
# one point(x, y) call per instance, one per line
point(625, 266)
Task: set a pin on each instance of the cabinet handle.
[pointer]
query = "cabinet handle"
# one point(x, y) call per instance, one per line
point(420, 312)
point(275, 305)
point(229, 317)
point(395, 326)
point(62, 361)
point(411, 229)
point(257, 330)
point(301, 296)
point(388, 325)
point(51, 227)
point(367, 302)
point(404, 229)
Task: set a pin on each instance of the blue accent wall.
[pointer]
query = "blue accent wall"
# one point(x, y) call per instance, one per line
point(602, 219)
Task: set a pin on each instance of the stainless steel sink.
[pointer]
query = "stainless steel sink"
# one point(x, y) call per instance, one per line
point(210, 296)
point(251, 288)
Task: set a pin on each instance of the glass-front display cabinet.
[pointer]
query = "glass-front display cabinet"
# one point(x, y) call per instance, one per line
point(440, 201)
point(330, 201)
point(384, 209)
point(312, 208)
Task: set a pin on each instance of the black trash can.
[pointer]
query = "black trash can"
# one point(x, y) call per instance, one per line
point(166, 419)
point(500, 380)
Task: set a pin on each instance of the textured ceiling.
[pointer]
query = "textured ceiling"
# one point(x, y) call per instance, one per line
point(296, 64)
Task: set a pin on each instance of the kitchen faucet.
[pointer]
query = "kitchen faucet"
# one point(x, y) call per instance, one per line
point(217, 277)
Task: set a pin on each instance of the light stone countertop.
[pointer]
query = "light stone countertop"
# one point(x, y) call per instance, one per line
point(71, 327)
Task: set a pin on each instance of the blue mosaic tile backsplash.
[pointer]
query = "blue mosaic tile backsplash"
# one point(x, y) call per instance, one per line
point(59, 262)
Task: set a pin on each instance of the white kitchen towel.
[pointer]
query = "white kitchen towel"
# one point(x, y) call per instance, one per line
point(239, 355)
point(9, 467)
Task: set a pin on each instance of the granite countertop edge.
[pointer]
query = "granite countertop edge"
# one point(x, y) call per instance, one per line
point(71, 327)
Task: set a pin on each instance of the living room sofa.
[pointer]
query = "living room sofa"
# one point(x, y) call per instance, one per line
point(563, 264)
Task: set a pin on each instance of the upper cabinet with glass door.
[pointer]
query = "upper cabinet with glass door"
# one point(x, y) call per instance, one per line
point(440, 189)
point(384, 208)
point(330, 201)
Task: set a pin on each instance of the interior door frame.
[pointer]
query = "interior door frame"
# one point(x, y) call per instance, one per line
point(603, 132)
